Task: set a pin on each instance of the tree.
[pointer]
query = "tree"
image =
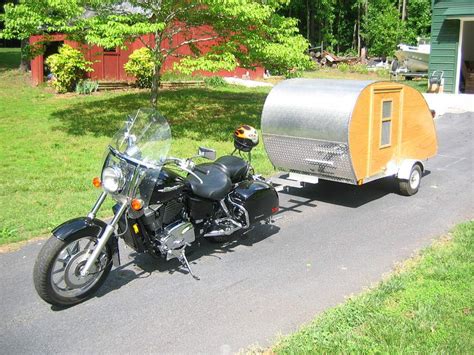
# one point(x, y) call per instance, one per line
point(242, 32)
point(382, 28)
point(418, 20)
point(247, 33)
point(28, 18)
point(355, 24)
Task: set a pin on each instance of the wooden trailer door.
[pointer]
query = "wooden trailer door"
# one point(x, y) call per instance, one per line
point(384, 128)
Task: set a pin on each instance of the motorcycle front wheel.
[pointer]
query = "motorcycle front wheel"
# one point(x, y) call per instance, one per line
point(57, 276)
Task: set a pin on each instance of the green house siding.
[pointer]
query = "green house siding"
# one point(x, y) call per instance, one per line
point(445, 38)
point(444, 51)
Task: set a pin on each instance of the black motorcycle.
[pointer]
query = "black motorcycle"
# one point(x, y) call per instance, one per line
point(164, 204)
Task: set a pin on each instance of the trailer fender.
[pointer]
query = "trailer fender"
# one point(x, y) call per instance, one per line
point(406, 166)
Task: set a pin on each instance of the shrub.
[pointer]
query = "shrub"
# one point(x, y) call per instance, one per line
point(215, 81)
point(67, 66)
point(140, 65)
point(86, 87)
point(359, 68)
point(383, 73)
point(293, 73)
point(343, 67)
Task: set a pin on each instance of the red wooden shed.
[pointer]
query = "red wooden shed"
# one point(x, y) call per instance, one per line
point(108, 64)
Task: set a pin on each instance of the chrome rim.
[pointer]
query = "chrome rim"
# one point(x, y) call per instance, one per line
point(66, 276)
point(415, 179)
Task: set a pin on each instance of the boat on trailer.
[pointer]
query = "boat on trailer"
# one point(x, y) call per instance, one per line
point(414, 58)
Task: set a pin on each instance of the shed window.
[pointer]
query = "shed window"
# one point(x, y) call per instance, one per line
point(386, 127)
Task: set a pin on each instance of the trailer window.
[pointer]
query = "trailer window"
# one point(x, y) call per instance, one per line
point(386, 109)
point(386, 127)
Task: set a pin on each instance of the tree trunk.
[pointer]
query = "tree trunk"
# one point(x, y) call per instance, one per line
point(307, 20)
point(311, 23)
point(404, 10)
point(363, 55)
point(23, 57)
point(155, 86)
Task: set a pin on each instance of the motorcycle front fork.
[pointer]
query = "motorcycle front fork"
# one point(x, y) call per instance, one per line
point(106, 234)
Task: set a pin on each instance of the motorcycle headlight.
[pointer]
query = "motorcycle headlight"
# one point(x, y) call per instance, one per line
point(112, 179)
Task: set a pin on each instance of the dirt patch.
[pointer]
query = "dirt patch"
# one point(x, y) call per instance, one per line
point(8, 248)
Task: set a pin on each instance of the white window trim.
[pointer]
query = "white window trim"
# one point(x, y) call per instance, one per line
point(459, 62)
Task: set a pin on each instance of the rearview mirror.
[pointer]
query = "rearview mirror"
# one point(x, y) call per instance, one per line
point(207, 153)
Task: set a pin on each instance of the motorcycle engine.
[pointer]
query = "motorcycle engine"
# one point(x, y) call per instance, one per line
point(174, 237)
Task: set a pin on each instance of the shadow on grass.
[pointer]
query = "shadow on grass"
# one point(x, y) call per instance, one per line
point(192, 113)
point(9, 59)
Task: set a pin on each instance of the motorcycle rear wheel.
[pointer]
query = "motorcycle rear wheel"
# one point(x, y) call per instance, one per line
point(57, 269)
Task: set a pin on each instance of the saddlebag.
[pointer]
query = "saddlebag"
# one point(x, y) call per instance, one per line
point(259, 199)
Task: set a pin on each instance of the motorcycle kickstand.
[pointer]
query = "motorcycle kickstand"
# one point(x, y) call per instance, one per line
point(184, 261)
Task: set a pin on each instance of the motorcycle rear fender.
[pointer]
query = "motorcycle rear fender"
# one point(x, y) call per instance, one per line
point(85, 226)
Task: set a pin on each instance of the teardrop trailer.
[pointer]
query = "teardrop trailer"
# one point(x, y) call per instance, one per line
point(348, 131)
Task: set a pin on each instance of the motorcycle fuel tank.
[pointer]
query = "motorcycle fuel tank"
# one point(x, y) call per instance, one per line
point(161, 186)
point(259, 199)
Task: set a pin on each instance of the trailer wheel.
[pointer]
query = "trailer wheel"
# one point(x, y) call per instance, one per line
point(410, 187)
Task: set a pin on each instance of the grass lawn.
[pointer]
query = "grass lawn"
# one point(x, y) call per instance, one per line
point(51, 146)
point(426, 307)
point(329, 73)
point(333, 73)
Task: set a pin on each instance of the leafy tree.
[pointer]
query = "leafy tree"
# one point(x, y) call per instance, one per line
point(382, 28)
point(418, 21)
point(30, 17)
point(242, 32)
point(349, 25)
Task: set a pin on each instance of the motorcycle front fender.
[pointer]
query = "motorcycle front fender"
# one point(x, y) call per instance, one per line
point(87, 227)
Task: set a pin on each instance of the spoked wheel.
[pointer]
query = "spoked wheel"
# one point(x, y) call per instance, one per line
point(410, 187)
point(57, 271)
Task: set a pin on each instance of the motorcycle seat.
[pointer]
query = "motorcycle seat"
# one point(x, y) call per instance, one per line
point(236, 168)
point(216, 184)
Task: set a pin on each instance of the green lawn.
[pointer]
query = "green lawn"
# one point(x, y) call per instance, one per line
point(51, 146)
point(9, 58)
point(426, 308)
point(329, 73)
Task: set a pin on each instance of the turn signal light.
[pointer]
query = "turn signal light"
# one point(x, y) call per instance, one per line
point(136, 204)
point(275, 210)
point(96, 182)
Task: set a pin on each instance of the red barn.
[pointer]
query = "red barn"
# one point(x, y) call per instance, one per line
point(108, 64)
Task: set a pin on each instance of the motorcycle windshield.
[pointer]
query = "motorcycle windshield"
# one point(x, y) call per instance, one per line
point(145, 138)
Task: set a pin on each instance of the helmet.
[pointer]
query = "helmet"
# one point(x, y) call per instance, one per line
point(245, 138)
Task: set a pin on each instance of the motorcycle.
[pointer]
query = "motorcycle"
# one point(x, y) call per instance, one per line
point(163, 205)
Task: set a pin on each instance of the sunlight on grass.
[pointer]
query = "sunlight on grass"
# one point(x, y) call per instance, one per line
point(333, 73)
point(426, 308)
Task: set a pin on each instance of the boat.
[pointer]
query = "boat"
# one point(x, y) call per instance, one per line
point(414, 58)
